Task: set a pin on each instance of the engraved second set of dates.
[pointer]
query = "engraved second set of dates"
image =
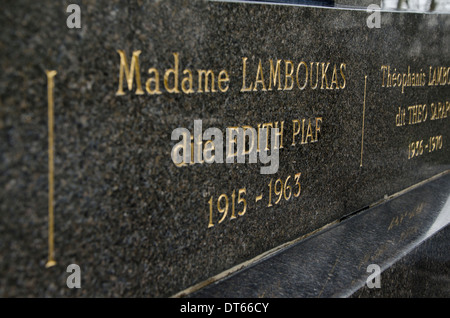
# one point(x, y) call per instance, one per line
point(419, 147)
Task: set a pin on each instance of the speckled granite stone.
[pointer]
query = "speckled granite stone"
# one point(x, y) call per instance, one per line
point(136, 224)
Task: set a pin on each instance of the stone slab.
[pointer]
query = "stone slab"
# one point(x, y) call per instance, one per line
point(139, 225)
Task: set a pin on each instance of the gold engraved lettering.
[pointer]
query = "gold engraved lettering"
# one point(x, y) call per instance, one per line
point(279, 134)
point(275, 75)
point(287, 187)
point(155, 81)
point(420, 113)
point(173, 71)
point(241, 141)
point(171, 79)
point(223, 206)
point(222, 210)
point(318, 123)
point(438, 79)
point(312, 135)
point(306, 75)
point(288, 75)
point(402, 79)
point(187, 82)
point(295, 132)
point(265, 126)
point(130, 73)
point(250, 138)
point(342, 68)
point(270, 193)
point(417, 114)
point(51, 250)
point(223, 79)
point(211, 76)
point(233, 201)
point(278, 192)
point(417, 148)
point(297, 182)
point(439, 110)
point(309, 133)
point(241, 199)
point(432, 78)
point(244, 88)
point(440, 75)
point(400, 118)
point(324, 75)
point(383, 68)
point(232, 132)
point(259, 78)
point(210, 224)
point(258, 131)
point(276, 72)
point(268, 133)
point(363, 119)
point(282, 188)
point(334, 79)
point(317, 75)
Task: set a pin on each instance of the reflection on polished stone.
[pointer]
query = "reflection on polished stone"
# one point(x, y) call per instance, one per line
point(335, 262)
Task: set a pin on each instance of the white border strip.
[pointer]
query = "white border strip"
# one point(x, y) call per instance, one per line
point(344, 8)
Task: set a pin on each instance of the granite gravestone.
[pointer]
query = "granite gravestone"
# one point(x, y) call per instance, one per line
point(106, 161)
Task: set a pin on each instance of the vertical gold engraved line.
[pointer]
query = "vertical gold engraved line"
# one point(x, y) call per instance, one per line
point(51, 252)
point(364, 114)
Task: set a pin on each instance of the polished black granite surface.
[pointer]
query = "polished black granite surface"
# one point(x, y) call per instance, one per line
point(406, 238)
point(423, 272)
point(140, 226)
